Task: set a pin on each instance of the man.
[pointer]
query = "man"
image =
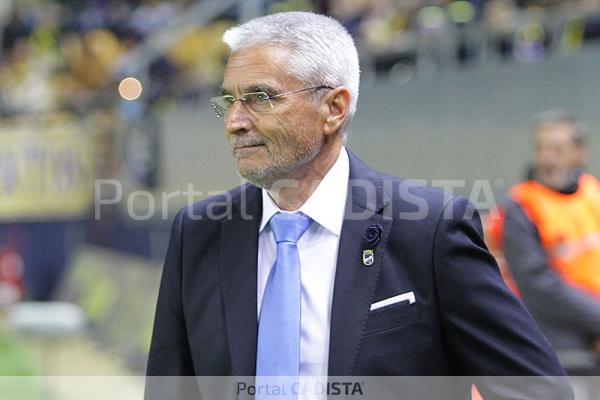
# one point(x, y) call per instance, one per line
point(551, 241)
point(395, 278)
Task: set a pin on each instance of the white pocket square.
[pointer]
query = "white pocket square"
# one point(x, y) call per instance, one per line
point(408, 296)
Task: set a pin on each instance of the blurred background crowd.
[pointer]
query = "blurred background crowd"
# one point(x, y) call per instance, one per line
point(70, 55)
point(100, 99)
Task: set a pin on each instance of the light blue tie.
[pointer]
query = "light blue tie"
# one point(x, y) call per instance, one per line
point(278, 348)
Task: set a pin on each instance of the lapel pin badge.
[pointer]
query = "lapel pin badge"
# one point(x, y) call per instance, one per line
point(368, 257)
point(372, 235)
point(371, 238)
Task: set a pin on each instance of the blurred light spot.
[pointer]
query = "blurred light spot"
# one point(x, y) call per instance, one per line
point(431, 18)
point(402, 72)
point(130, 88)
point(461, 11)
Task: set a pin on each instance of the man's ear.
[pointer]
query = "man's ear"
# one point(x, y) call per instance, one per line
point(334, 109)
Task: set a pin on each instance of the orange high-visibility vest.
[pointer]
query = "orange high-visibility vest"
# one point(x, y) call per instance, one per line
point(493, 230)
point(569, 228)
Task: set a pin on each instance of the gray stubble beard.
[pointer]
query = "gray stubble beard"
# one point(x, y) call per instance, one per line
point(281, 169)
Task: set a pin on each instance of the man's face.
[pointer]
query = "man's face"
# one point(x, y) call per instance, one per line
point(556, 154)
point(280, 143)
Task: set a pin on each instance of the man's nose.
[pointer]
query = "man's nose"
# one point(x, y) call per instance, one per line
point(237, 119)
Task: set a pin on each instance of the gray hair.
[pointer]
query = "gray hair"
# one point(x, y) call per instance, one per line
point(323, 52)
point(560, 116)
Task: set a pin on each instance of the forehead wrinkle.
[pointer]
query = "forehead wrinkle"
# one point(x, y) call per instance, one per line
point(259, 67)
point(249, 82)
point(249, 88)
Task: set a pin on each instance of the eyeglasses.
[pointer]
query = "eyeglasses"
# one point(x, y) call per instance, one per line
point(256, 101)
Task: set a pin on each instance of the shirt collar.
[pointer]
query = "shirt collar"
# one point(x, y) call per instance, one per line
point(326, 205)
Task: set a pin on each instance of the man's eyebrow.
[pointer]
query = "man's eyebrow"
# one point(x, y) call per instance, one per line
point(260, 88)
point(251, 89)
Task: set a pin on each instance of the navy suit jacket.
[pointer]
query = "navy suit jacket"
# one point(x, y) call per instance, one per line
point(464, 320)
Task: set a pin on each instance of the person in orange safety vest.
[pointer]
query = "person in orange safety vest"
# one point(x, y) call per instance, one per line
point(551, 241)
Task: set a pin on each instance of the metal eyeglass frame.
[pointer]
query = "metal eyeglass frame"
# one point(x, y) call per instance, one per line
point(221, 111)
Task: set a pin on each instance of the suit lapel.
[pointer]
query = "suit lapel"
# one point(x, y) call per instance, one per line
point(239, 253)
point(354, 281)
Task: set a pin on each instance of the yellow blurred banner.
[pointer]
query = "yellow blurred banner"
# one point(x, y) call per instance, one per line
point(45, 174)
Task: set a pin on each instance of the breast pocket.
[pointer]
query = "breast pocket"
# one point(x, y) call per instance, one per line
point(392, 316)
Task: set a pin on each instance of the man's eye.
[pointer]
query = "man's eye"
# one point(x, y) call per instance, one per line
point(263, 97)
point(258, 97)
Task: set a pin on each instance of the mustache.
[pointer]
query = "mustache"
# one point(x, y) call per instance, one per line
point(239, 141)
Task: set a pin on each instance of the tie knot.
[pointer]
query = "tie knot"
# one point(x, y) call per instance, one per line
point(289, 227)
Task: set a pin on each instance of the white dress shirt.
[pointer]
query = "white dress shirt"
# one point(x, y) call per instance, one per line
point(318, 249)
